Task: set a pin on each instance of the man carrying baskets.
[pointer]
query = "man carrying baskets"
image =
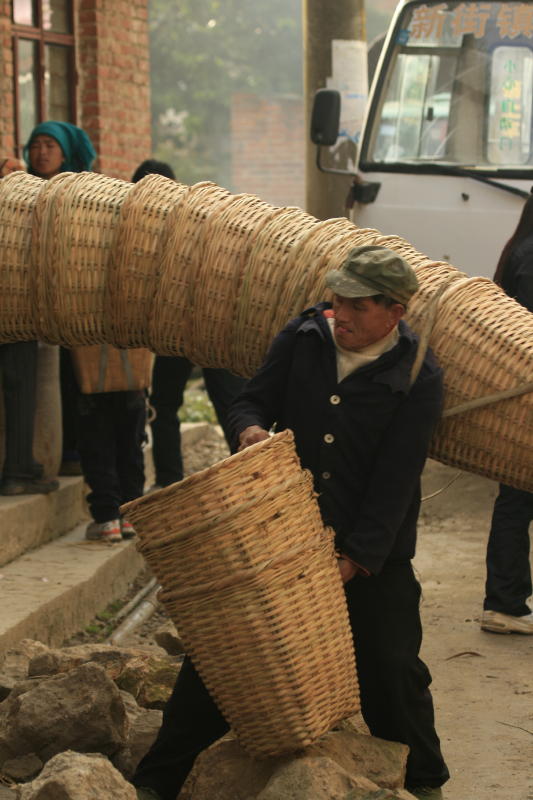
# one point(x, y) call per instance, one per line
point(341, 376)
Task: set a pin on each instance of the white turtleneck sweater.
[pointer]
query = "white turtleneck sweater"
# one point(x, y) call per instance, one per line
point(350, 360)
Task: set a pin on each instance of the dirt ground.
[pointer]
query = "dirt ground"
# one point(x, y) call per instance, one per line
point(482, 682)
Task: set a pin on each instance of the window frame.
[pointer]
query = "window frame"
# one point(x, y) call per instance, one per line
point(42, 37)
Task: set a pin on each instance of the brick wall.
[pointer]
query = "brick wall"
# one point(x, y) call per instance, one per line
point(268, 148)
point(113, 92)
point(114, 82)
point(7, 133)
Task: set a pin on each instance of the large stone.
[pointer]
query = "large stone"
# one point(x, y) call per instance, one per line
point(226, 772)
point(150, 680)
point(82, 711)
point(16, 664)
point(144, 728)
point(23, 768)
point(53, 661)
point(169, 639)
point(381, 761)
point(73, 776)
point(319, 778)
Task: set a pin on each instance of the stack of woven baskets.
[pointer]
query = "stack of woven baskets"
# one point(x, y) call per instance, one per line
point(201, 272)
point(250, 578)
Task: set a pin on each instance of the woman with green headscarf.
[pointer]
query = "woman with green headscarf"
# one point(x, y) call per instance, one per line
point(55, 147)
point(52, 147)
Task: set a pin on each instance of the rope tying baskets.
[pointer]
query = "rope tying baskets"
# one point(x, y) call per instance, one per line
point(250, 578)
point(199, 272)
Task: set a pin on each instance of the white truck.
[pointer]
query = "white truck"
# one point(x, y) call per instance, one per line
point(445, 157)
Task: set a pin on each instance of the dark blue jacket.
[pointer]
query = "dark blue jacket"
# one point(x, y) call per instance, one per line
point(365, 439)
point(517, 279)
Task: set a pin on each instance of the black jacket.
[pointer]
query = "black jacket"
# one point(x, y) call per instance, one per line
point(365, 439)
point(518, 275)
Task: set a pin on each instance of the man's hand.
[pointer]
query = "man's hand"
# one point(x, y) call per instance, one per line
point(347, 569)
point(251, 435)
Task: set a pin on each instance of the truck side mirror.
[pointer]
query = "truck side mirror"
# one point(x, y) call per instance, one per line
point(325, 117)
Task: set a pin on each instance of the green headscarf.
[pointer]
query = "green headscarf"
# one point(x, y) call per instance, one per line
point(73, 141)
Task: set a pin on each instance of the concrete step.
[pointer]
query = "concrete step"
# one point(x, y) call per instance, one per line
point(54, 591)
point(53, 581)
point(32, 520)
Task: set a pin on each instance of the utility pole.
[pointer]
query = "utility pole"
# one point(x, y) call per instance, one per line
point(324, 22)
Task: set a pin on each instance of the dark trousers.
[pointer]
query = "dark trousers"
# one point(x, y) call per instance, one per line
point(18, 367)
point(70, 394)
point(508, 582)
point(169, 379)
point(110, 437)
point(394, 682)
point(394, 685)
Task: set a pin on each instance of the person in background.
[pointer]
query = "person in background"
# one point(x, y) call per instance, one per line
point(55, 147)
point(169, 379)
point(339, 376)
point(508, 584)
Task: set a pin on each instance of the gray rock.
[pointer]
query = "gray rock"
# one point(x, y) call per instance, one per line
point(318, 778)
point(73, 776)
point(23, 768)
point(144, 728)
point(16, 663)
point(169, 639)
point(226, 772)
point(112, 659)
point(82, 710)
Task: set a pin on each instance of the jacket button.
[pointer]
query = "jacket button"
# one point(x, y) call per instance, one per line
point(334, 399)
point(326, 475)
point(329, 438)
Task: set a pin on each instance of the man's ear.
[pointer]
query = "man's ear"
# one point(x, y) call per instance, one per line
point(397, 311)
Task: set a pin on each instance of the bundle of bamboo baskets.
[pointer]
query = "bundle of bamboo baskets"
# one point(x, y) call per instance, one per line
point(250, 578)
point(201, 272)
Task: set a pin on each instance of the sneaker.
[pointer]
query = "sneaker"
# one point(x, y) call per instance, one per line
point(127, 530)
point(104, 531)
point(495, 622)
point(15, 486)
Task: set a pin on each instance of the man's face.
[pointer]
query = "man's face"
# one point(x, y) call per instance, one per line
point(360, 321)
point(46, 156)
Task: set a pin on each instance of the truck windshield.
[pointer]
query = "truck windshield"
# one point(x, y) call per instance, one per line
point(457, 88)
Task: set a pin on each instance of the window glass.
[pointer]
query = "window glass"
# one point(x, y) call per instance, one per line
point(458, 87)
point(56, 77)
point(56, 16)
point(510, 105)
point(24, 12)
point(27, 87)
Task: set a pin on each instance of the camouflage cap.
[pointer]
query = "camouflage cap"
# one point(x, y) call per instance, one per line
point(371, 270)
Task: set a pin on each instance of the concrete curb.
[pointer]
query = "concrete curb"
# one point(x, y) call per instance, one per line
point(51, 589)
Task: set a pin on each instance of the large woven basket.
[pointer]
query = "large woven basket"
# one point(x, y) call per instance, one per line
point(135, 267)
point(250, 578)
point(183, 242)
point(18, 195)
point(199, 272)
point(75, 225)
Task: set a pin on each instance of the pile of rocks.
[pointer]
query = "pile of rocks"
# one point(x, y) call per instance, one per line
point(75, 722)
